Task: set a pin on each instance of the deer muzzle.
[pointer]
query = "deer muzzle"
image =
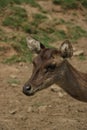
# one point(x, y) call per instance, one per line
point(28, 90)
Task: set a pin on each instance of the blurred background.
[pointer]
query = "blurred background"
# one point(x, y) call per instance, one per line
point(50, 22)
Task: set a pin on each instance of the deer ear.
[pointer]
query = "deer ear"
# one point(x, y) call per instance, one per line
point(66, 49)
point(34, 45)
point(42, 46)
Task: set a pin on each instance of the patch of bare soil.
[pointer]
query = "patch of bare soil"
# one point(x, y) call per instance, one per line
point(6, 51)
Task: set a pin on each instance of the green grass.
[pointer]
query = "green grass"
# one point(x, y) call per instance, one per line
point(23, 53)
point(66, 4)
point(44, 39)
point(3, 36)
point(16, 19)
point(12, 59)
point(32, 3)
point(57, 2)
point(76, 32)
point(18, 58)
point(33, 26)
point(38, 18)
point(82, 57)
point(60, 34)
point(13, 81)
point(28, 28)
point(84, 3)
point(21, 47)
point(1, 48)
point(45, 36)
point(73, 32)
point(5, 3)
point(70, 4)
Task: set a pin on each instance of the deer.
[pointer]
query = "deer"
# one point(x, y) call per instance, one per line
point(51, 66)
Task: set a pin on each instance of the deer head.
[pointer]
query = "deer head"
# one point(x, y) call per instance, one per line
point(48, 67)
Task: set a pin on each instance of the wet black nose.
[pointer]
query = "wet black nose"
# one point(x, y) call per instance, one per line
point(27, 90)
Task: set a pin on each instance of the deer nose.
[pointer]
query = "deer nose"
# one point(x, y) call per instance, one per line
point(27, 90)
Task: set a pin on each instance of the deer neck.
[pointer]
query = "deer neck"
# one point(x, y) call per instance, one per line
point(73, 81)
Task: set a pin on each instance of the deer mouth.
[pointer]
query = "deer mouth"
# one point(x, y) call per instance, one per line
point(30, 91)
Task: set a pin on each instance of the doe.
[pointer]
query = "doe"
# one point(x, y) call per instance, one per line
point(52, 66)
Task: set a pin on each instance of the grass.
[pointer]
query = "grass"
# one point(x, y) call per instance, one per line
point(66, 4)
point(2, 49)
point(82, 57)
point(3, 36)
point(63, 22)
point(73, 32)
point(84, 3)
point(52, 35)
point(11, 60)
point(23, 53)
point(5, 3)
point(13, 81)
point(57, 2)
point(44, 38)
point(18, 58)
point(33, 26)
point(76, 32)
point(70, 4)
point(28, 28)
point(32, 3)
point(16, 19)
point(38, 18)
point(60, 35)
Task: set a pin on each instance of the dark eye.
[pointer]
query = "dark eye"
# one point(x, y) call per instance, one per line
point(34, 63)
point(50, 67)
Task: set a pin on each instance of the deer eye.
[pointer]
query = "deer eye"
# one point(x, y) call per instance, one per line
point(50, 67)
point(34, 63)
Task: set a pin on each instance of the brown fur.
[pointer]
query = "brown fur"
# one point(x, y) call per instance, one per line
point(50, 67)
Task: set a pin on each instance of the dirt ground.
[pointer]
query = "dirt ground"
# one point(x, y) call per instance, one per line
point(46, 110)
